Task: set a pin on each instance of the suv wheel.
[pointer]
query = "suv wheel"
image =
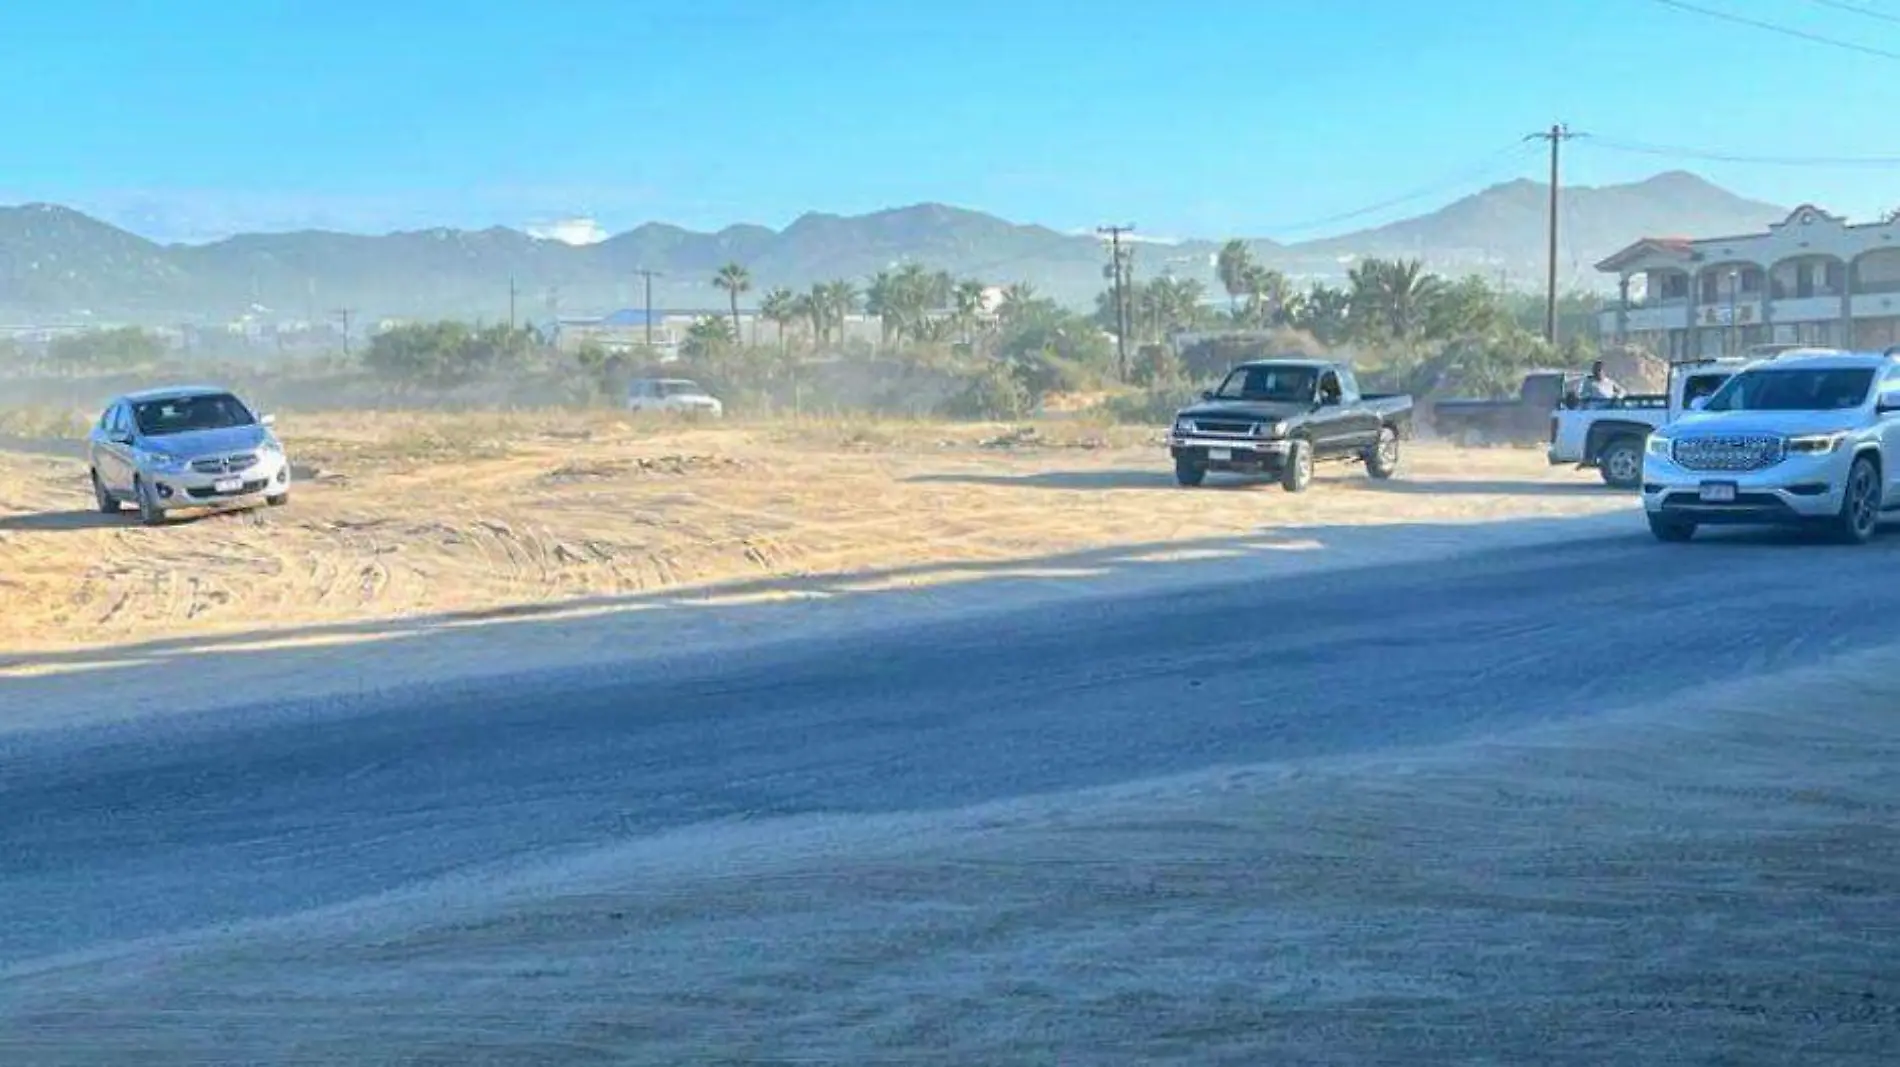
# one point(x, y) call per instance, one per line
point(1860, 504)
point(1671, 530)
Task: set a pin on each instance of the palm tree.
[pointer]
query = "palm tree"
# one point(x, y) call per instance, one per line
point(968, 301)
point(1232, 266)
point(1389, 297)
point(707, 335)
point(780, 308)
point(840, 300)
point(881, 298)
point(734, 279)
point(1266, 294)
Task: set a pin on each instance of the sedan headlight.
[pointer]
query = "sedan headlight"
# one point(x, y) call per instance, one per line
point(1816, 443)
point(1659, 445)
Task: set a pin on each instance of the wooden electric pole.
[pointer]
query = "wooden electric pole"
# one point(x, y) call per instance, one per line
point(1556, 135)
point(647, 276)
point(1116, 263)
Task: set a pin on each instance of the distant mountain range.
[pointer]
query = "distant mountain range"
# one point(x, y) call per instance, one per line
point(57, 264)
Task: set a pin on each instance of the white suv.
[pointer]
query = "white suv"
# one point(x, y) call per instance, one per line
point(1802, 439)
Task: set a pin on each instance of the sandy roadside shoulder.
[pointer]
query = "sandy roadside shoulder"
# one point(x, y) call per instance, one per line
point(401, 564)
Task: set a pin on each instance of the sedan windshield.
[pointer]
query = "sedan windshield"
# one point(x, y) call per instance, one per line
point(184, 414)
point(1794, 389)
point(1289, 385)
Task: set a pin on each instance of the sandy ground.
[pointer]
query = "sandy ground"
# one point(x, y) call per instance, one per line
point(429, 514)
point(1712, 881)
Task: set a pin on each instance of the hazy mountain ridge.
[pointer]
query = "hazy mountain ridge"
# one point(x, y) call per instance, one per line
point(59, 264)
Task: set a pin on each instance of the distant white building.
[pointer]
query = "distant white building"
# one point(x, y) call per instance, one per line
point(1812, 278)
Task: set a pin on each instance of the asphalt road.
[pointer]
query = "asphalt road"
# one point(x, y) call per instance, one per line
point(123, 836)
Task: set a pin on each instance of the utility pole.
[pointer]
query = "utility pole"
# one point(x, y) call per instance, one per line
point(1121, 305)
point(647, 276)
point(1556, 135)
point(511, 304)
point(344, 313)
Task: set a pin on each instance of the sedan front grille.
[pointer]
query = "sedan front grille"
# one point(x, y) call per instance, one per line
point(1741, 452)
point(225, 464)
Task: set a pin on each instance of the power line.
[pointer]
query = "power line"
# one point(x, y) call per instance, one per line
point(1842, 5)
point(1785, 31)
point(1489, 164)
point(1710, 156)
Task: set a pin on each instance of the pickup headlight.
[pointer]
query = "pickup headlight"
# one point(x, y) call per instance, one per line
point(1659, 445)
point(1277, 428)
point(1816, 443)
point(1183, 426)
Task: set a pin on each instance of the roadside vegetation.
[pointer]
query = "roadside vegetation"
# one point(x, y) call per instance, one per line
point(947, 347)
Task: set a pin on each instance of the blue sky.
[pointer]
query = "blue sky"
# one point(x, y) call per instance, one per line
point(1263, 117)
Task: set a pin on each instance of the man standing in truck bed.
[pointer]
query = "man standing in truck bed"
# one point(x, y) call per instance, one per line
point(1598, 385)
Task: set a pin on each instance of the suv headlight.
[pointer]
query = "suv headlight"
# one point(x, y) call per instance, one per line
point(1658, 445)
point(1816, 443)
point(164, 461)
point(272, 445)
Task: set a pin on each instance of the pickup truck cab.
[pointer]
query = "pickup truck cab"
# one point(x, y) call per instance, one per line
point(1282, 416)
point(1808, 438)
point(1608, 434)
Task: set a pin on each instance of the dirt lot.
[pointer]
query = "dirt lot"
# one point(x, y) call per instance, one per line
point(401, 514)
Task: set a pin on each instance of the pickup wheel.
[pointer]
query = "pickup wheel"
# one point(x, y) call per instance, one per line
point(1621, 463)
point(1382, 459)
point(1859, 517)
point(1188, 473)
point(1297, 474)
point(1669, 529)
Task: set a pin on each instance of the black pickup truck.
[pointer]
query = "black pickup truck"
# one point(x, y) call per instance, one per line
point(1281, 416)
point(1523, 419)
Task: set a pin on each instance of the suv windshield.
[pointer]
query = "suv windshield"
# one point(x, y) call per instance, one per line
point(1794, 389)
point(1291, 385)
point(681, 388)
point(184, 414)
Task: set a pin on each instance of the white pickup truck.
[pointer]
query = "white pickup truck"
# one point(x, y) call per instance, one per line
point(1609, 434)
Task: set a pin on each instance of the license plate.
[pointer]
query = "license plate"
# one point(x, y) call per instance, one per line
point(1718, 493)
point(227, 485)
point(1220, 454)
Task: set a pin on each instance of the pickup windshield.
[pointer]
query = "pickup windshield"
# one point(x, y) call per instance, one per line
point(1290, 385)
point(1794, 389)
point(185, 414)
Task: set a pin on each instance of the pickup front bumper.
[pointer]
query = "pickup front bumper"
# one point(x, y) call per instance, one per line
point(1229, 453)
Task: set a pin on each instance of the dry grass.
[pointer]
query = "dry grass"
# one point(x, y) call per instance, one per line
point(1716, 880)
point(400, 514)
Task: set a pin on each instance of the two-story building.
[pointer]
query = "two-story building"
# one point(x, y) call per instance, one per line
point(1812, 278)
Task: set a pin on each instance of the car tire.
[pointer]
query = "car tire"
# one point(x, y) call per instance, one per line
point(277, 500)
point(149, 512)
point(1859, 517)
point(103, 498)
point(1670, 530)
point(1188, 473)
point(1621, 463)
point(1297, 473)
point(1382, 460)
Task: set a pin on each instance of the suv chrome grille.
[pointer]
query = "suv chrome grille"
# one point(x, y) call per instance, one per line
point(225, 464)
point(1740, 452)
